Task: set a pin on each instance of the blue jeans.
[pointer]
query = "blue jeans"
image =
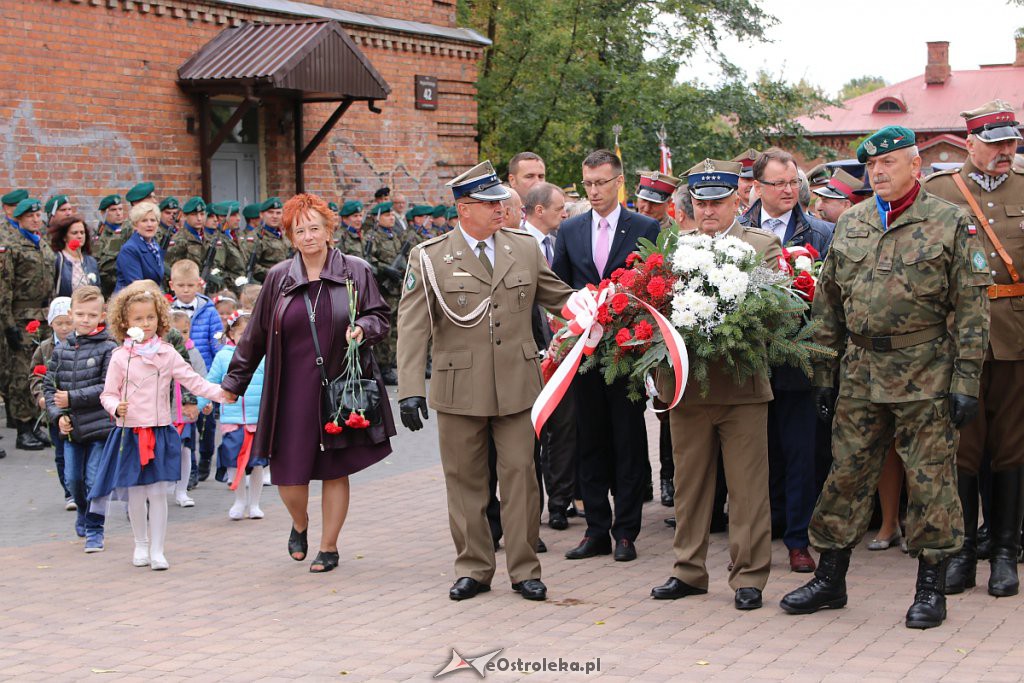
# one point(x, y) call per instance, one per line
point(58, 457)
point(81, 461)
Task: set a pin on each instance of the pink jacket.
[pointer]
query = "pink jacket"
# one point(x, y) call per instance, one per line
point(149, 386)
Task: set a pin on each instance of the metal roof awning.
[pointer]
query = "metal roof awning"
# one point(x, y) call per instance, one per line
point(298, 62)
point(312, 61)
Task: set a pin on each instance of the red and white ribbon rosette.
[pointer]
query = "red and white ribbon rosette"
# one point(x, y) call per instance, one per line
point(580, 312)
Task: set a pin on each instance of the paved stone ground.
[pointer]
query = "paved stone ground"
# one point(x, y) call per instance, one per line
point(234, 607)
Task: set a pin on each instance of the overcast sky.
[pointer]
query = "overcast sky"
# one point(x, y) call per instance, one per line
point(815, 41)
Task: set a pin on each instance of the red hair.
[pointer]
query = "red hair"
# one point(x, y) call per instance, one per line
point(301, 204)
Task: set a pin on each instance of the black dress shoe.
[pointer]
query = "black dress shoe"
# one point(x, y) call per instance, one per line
point(648, 492)
point(531, 589)
point(541, 548)
point(670, 522)
point(466, 588)
point(558, 521)
point(590, 547)
point(42, 436)
point(571, 511)
point(673, 589)
point(26, 440)
point(668, 493)
point(625, 551)
point(389, 376)
point(748, 598)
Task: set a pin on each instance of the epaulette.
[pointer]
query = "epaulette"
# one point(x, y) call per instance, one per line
point(516, 231)
point(943, 172)
point(760, 231)
point(1019, 170)
point(432, 240)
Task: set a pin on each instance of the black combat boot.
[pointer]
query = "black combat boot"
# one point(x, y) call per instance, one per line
point(26, 439)
point(826, 590)
point(42, 436)
point(204, 467)
point(929, 608)
point(961, 571)
point(1007, 509)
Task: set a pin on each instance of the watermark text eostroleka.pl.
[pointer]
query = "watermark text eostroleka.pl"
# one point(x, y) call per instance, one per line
point(490, 662)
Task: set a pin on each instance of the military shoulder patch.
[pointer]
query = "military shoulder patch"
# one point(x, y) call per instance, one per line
point(979, 264)
point(410, 281)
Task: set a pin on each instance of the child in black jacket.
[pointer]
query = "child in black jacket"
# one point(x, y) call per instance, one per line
point(72, 387)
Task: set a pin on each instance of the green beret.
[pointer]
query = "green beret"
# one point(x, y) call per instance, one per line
point(13, 197)
point(193, 205)
point(27, 206)
point(884, 141)
point(272, 203)
point(55, 202)
point(383, 207)
point(229, 208)
point(451, 213)
point(169, 203)
point(419, 210)
point(350, 207)
point(439, 211)
point(140, 192)
point(215, 209)
point(332, 206)
point(109, 201)
point(251, 211)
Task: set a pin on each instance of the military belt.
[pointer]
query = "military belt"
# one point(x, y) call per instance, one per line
point(899, 341)
point(1003, 291)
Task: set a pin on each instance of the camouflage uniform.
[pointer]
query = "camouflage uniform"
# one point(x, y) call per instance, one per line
point(386, 245)
point(927, 270)
point(25, 287)
point(350, 241)
point(228, 263)
point(105, 247)
point(271, 249)
point(668, 223)
point(248, 239)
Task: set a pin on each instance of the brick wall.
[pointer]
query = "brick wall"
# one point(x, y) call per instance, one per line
point(91, 105)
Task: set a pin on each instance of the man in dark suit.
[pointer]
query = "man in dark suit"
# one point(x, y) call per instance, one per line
point(612, 437)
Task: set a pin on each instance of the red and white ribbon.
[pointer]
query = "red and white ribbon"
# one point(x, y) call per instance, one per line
point(676, 353)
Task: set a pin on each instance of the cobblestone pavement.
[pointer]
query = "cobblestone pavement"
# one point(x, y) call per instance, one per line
point(234, 607)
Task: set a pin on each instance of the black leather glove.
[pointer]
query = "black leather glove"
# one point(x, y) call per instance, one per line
point(393, 274)
point(14, 338)
point(962, 409)
point(825, 403)
point(411, 408)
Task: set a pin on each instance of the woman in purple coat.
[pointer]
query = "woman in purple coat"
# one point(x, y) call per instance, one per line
point(291, 428)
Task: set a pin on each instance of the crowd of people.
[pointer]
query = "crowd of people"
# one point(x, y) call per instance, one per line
point(170, 333)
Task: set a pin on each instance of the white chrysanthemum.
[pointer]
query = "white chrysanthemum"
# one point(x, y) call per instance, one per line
point(804, 263)
point(703, 307)
point(683, 318)
point(729, 280)
point(688, 258)
point(733, 248)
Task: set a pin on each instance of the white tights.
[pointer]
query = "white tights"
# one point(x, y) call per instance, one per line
point(250, 498)
point(181, 487)
point(156, 495)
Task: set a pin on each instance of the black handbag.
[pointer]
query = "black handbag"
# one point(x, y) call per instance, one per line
point(343, 395)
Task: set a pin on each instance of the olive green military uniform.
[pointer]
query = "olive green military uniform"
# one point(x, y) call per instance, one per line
point(385, 248)
point(186, 245)
point(668, 223)
point(350, 241)
point(899, 288)
point(999, 428)
point(271, 249)
point(731, 419)
point(486, 377)
point(24, 296)
point(228, 263)
point(106, 246)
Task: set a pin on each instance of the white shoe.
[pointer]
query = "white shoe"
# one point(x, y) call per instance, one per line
point(237, 511)
point(159, 563)
point(266, 476)
point(185, 502)
point(141, 556)
point(69, 504)
point(255, 512)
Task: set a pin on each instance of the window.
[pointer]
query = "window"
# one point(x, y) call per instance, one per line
point(890, 106)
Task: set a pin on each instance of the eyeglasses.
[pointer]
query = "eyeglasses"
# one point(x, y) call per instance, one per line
point(588, 184)
point(492, 201)
point(781, 184)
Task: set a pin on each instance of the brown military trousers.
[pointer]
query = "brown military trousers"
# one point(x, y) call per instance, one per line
point(463, 440)
point(741, 433)
point(926, 441)
point(999, 428)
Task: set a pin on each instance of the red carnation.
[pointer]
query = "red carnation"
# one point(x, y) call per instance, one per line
point(170, 298)
point(643, 330)
point(603, 316)
point(623, 336)
point(617, 273)
point(74, 245)
point(39, 370)
point(619, 303)
point(657, 287)
point(631, 258)
point(815, 254)
point(804, 283)
point(547, 369)
point(357, 421)
point(333, 428)
point(654, 261)
point(603, 284)
point(628, 278)
point(785, 253)
point(32, 327)
point(556, 324)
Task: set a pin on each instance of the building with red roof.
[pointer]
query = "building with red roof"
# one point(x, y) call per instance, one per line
point(929, 104)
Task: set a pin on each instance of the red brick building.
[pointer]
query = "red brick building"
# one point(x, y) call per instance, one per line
point(929, 104)
point(93, 102)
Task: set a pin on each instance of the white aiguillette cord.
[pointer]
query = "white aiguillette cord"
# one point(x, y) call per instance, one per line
point(476, 315)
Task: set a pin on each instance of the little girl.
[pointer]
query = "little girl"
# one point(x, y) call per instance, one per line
point(237, 426)
point(143, 452)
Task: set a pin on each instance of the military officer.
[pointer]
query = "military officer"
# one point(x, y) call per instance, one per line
point(59, 206)
point(819, 176)
point(10, 201)
point(387, 260)
point(418, 220)
point(249, 236)
point(140, 192)
point(898, 270)
point(746, 161)
point(229, 258)
point(470, 295)
point(272, 247)
point(438, 220)
point(992, 192)
point(170, 208)
point(452, 218)
point(733, 418)
point(350, 231)
point(837, 196)
point(652, 197)
point(110, 237)
point(191, 241)
point(27, 283)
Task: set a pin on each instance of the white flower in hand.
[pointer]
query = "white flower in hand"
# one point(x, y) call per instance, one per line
point(215, 271)
point(804, 263)
point(91, 277)
point(136, 334)
point(241, 281)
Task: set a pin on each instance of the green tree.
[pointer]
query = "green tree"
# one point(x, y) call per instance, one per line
point(561, 73)
point(860, 86)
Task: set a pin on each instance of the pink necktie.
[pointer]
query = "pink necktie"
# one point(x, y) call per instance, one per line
point(601, 250)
